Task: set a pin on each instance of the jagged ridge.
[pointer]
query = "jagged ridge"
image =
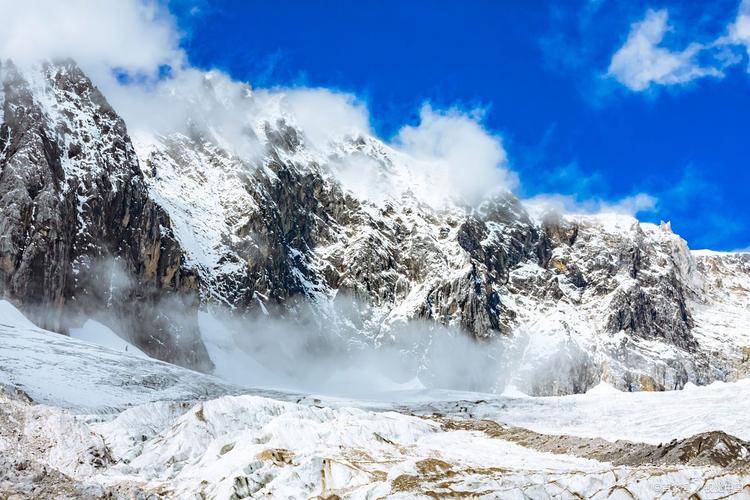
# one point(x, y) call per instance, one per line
point(184, 217)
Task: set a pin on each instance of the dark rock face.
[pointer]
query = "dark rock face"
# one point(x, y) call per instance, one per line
point(296, 209)
point(651, 305)
point(36, 244)
point(638, 313)
point(305, 239)
point(74, 207)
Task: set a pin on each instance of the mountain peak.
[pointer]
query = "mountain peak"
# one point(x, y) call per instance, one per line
point(348, 236)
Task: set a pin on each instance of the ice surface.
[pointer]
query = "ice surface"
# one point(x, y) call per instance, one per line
point(12, 317)
point(649, 417)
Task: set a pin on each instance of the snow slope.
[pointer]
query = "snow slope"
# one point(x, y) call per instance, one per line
point(58, 370)
point(94, 332)
point(648, 417)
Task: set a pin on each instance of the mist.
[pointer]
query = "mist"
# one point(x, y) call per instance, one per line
point(318, 345)
point(332, 346)
point(301, 354)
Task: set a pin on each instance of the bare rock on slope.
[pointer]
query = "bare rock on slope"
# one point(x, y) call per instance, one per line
point(75, 215)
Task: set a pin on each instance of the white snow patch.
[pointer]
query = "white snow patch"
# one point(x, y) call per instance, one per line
point(650, 417)
point(59, 370)
point(602, 389)
point(10, 316)
point(96, 333)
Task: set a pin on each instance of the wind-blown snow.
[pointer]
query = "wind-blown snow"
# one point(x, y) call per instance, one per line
point(12, 317)
point(213, 176)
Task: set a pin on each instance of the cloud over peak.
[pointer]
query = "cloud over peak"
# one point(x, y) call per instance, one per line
point(137, 36)
point(629, 205)
point(460, 152)
point(449, 153)
point(325, 115)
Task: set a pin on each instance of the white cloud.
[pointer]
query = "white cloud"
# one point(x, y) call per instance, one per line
point(629, 205)
point(739, 30)
point(458, 153)
point(447, 157)
point(229, 111)
point(370, 179)
point(641, 61)
point(135, 35)
point(208, 102)
point(324, 115)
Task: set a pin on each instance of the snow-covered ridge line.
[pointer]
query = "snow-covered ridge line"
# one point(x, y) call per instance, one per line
point(290, 227)
point(716, 253)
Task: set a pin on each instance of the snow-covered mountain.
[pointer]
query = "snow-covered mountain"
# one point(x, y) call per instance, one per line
point(347, 236)
point(77, 226)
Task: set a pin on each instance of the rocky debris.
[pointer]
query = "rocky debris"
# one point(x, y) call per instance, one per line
point(14, 394)
point(22, 479)
point(25, 449)
point(717, 449)
point(708, 448)
point(279, 456)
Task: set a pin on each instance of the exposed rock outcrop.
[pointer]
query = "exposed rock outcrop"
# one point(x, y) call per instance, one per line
point(149, 230)
point(78, 231)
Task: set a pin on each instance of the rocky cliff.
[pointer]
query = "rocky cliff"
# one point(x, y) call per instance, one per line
point(166, 223)
point(78, 231)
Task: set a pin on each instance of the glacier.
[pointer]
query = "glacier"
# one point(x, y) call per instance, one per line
point(80, 420)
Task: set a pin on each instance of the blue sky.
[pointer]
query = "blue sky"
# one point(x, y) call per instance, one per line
point(539, 72)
